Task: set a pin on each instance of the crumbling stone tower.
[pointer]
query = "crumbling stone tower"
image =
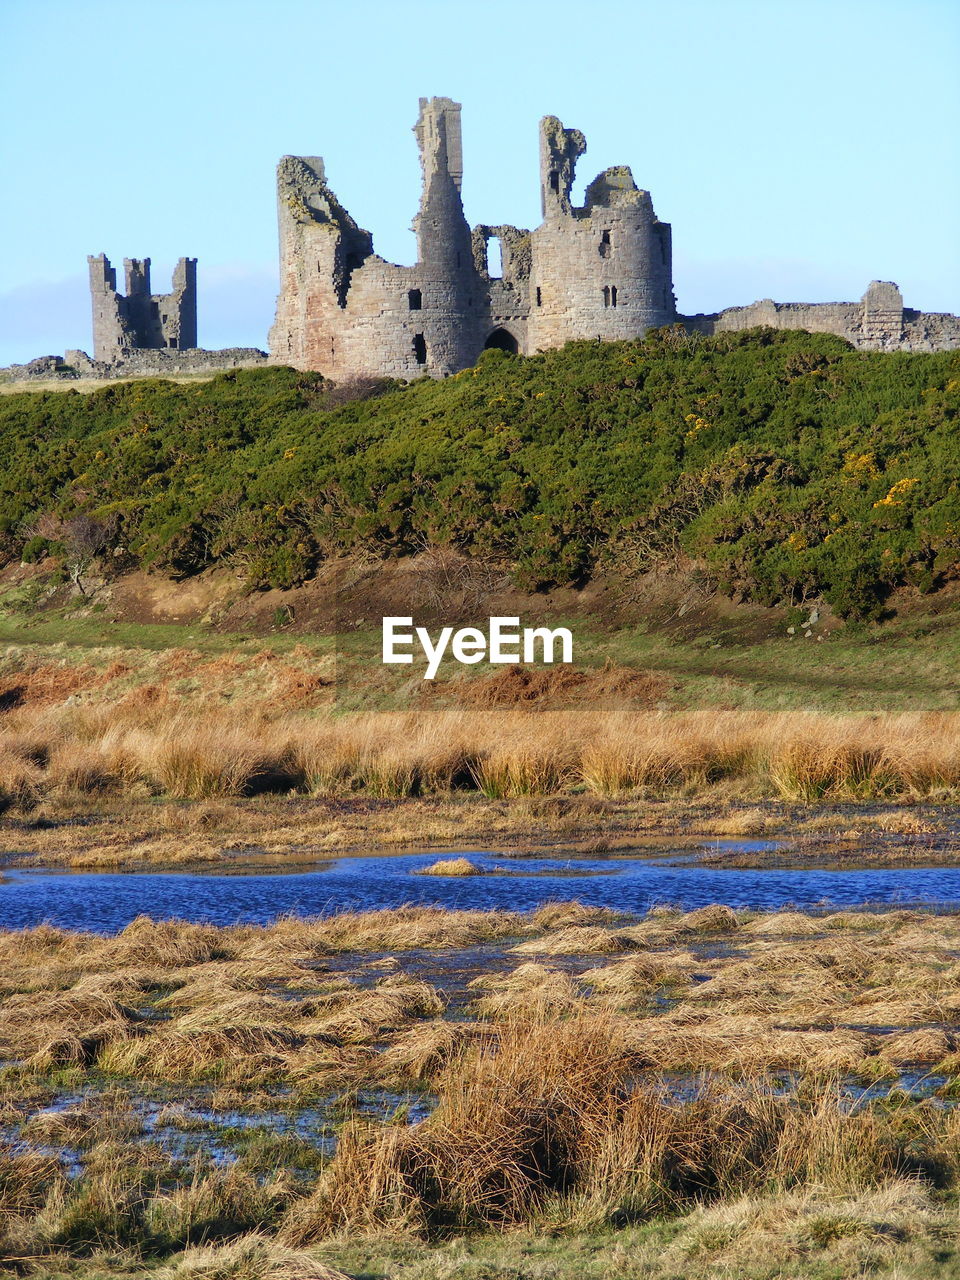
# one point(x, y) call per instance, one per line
point(140, 320)
point(603, 270)
point(344, 310)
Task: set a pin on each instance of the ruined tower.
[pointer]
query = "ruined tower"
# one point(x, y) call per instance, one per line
point(344, 310)
point(604, 270)
point(600, 271)
point(139, 320)
point(450, 291)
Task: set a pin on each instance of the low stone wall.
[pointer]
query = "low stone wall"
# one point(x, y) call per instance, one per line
point(77, 365)
point(878, 322)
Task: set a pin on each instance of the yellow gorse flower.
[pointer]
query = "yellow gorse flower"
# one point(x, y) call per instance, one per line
point(897, 491)
point(699, 424)
point(860, 465)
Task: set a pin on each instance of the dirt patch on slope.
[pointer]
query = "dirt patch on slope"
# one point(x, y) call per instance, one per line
point(540, 688)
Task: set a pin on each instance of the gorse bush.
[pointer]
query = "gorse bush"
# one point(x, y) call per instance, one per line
point(788, 464)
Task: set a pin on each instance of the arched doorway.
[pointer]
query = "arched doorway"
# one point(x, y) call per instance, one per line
point(502, 340)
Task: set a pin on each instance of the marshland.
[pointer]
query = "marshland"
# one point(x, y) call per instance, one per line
point(424, 1092)
point(293, 988)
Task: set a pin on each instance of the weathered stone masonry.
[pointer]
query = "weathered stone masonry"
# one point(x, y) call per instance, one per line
point(139, 334)
point(140, 319)
point(603, 270)
point(878, 322)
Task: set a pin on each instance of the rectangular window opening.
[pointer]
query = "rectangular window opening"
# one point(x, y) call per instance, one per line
point(415, 299)
point(606, 295)
point(172, 342)
point(419, 348)
point(613, 296)
point(539, 297)
point(555, 181)
point(494, 258)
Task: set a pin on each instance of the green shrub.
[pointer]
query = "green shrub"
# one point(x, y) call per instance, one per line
point(787, 464)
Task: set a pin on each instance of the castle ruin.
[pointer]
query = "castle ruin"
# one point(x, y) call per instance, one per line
point(141, 320)
point(602, 270)
point(139, 333)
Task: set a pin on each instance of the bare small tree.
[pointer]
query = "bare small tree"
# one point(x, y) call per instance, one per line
point(83, 539)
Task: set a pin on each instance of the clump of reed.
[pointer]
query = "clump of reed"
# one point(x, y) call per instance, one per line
point(253, 1256)
point(529, 987)
point(450, 867)
point(578, 940)
point(62, 1028)
point(548, 1123)
point(797, 756)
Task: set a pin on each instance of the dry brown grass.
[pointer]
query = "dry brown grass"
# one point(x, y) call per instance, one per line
point(254, 1256)
point(855, 992)
point(548, 1123)
point(451, 867)
point(573, 1094)
point(168, 749)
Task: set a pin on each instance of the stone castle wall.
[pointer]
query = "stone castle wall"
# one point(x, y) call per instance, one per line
point(74, 365)
point(878, 322)
point(603, 270)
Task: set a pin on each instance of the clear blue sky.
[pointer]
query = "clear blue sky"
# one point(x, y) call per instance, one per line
point(799, 147)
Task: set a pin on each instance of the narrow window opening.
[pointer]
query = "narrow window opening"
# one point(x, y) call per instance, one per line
point(554, 181)
point(172, 342)
point(415, 298)
point(419, 348)
point(604, 246)
point(613, 296)
point(539, 298)
point(494, 258)
point(606, 296)
point(163, 319)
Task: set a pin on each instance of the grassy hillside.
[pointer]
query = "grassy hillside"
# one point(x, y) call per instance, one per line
point(787, 464)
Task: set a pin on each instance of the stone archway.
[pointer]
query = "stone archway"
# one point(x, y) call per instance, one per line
point(502, 340)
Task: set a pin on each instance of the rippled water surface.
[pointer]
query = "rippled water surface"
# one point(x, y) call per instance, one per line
point(106, 902)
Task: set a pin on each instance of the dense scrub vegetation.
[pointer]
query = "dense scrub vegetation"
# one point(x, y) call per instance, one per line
point(788, 464)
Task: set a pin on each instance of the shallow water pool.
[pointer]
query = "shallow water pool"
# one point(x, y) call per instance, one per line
point(105, 902)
